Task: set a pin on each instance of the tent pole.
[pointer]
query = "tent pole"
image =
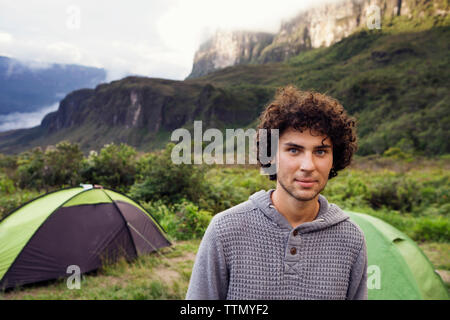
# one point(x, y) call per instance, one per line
point(135, 230)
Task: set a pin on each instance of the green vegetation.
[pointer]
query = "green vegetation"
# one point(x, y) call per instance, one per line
point(181, 221)
point(114, 166)
point(158, 178)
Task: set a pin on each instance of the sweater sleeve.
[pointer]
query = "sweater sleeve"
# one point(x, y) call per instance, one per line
point(357, 289)
point(209, 279)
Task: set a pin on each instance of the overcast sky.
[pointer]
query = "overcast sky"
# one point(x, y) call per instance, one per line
point(154, 38)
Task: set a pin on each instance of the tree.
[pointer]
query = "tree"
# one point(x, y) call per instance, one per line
point(113, 167)
point(62, 165)
point(30, 166)
point(161, 178)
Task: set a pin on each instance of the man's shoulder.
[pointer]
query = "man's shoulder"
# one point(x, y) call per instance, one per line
point(241, 208)
point(239, 211)
point(352, 229)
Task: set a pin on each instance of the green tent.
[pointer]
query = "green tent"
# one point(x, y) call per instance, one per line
point(83, 226)
point(397, 267)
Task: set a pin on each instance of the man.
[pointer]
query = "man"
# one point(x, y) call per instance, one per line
point(289, 243)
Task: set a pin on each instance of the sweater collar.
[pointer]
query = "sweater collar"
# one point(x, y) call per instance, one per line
point(329, 214)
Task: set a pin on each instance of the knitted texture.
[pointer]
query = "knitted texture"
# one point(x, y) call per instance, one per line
point(251, 252)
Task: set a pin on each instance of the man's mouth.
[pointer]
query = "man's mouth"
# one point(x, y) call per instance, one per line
point(306, 183)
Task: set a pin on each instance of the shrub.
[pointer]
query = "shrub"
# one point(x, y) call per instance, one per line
point(428, 229)
point(397, 153)
point(230, 186)
point(6, 185)
point(166, 181)
point(62, 165)
point(392, 191)
point(30, 169)
point(114, 167)
point(8, 163)
point(56, 167)
point(9, 202)
point(181, 221)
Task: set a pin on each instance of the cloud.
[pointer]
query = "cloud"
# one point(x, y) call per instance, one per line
point(64, 51)
point(150, 38)
point(20, 120)
point(5, 37)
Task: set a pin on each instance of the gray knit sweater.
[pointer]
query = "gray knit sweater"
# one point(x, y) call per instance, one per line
point(251, 251)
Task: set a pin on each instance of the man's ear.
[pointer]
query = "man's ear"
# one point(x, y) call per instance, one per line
point(332, 173)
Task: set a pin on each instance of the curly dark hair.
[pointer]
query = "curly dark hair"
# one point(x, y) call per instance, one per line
point(301, 110)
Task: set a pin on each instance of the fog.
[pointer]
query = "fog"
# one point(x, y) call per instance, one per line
point(18, 120)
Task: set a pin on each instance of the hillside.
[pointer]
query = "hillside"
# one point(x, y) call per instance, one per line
point(395, 81)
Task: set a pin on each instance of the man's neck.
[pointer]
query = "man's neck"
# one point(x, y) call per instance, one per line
point(296, 212)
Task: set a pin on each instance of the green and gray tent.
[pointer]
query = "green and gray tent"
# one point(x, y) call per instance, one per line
point(397, 267)
point(82, 226)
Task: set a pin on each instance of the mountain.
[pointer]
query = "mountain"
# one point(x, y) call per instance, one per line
point(26, 87)
point(394, 81)
point(317, 27)
point(136, 110)
point(229, 48)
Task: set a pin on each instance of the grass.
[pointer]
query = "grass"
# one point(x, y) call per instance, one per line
point(438, 253)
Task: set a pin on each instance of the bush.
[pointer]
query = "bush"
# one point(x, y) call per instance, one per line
point(428, 229)
point(56, 167)
point(228, 187)
point(9, 202)
point(8, 163)
point(30, 169)
point(161, 179)
point(114, 167)
point(62, 165)
point(181, 221)
point(398, 154)
point(393, 191)
point(6, 185)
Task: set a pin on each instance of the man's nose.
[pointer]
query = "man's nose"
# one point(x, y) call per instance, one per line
point(307, 162)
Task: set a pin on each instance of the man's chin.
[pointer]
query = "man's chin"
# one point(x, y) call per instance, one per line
point(304, 195)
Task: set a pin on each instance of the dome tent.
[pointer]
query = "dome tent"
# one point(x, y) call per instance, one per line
point(82, 226)
point(397, 267)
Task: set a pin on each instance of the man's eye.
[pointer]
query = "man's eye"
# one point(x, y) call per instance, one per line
point(292, 150)
point(321, 152)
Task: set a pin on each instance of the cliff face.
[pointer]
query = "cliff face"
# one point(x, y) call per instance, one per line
point(317, 27)
point(143, 103)
point(136, 110)
point(227, 49)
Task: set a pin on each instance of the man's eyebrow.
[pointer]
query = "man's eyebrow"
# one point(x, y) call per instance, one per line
point(322, 146)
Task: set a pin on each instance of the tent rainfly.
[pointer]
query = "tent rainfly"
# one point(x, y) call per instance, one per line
point(81, 226)
point(397, 267)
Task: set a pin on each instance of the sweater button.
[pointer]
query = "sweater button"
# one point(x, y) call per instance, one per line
point(293, 251)
point(295, 233)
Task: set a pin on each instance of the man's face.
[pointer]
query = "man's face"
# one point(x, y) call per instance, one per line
point(304, 161)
